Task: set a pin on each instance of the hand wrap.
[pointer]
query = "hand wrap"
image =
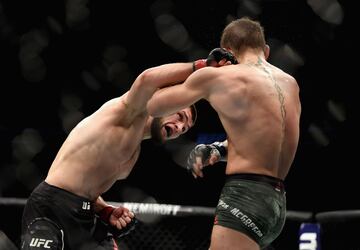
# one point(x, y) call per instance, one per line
point(105, 213)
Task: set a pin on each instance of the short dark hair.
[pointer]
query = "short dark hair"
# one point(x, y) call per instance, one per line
point(242, 34)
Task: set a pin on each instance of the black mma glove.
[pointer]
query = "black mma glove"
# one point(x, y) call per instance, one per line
point(218, 54)
point(206, 152)
point(214, 57)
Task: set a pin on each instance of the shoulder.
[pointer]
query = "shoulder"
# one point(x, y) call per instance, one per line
point(120, 112)
point(292, 81)
point(286, 77)
point(113, 107)
point(115, 103)
point(208, 75)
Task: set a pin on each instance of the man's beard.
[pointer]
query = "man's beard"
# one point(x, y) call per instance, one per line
point(155, 130)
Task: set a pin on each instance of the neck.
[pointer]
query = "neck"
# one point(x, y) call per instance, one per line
point(252, 58)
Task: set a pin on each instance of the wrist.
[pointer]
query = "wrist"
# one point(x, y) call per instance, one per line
point(198, 64)
point(105, 213)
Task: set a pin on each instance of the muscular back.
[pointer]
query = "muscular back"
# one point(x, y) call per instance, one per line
point(259, 107)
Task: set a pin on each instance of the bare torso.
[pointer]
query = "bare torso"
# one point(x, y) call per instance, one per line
point(259, 107)
point(100, 150)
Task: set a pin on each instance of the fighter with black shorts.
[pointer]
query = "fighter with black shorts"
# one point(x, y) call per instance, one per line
point(66, 210)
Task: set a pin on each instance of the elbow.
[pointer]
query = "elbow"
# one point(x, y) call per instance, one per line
point(144, 83)
point(145, 79)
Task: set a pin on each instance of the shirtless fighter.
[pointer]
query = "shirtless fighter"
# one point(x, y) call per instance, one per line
point(259, 107)
point(103, 148)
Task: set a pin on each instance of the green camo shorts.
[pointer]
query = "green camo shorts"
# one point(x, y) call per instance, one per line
point(254, 205)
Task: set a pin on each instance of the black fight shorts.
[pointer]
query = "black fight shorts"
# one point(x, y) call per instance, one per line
point(54, 218)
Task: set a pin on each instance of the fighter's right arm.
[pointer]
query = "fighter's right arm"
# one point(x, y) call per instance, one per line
point(198, 85)
point(171, 74)
point(152, 79)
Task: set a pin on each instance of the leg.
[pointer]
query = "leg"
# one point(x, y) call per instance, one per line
point(42, 233)
point(225, 238)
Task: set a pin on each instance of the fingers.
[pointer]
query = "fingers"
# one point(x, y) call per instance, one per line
point(198, 161)
point(127, 213)
point(224, 62)
point(199, 165)
point(197, 174)
point(197, 170)
point(121, 223)
point(127, 219)
point(121, 217)
point(214, 158)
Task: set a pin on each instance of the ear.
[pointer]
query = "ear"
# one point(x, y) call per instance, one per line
point(266, 51)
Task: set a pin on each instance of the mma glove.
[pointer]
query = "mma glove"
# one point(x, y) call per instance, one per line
point(213, 59)
point(111, 214)
point(208, 153)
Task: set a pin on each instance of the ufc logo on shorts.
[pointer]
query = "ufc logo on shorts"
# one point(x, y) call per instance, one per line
point(36, 242)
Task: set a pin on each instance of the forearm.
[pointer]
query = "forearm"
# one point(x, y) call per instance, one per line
point(166, 75)
point(169, 100)
point(153, 79)
point(174, 73)
point(194, 86)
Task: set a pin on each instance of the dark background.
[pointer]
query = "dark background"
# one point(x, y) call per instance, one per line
point(61, 60)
